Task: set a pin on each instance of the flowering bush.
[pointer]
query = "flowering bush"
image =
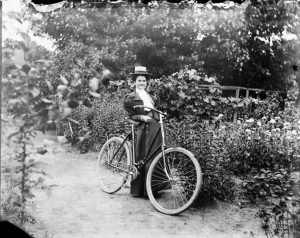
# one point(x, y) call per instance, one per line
point(191, 92)
point(282, 219)
point(262, 152)
point(104, 118)
point(270, 153)
point(199, 137)
point(108, 119)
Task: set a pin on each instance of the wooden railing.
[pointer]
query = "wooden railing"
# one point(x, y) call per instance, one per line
point(237, 90)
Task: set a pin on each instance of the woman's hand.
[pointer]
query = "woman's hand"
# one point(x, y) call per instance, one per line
point(146, 118)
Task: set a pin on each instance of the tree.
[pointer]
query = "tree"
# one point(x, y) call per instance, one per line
point(161, 39)
point(268, 55)
point(219, 45)
point(242, 46)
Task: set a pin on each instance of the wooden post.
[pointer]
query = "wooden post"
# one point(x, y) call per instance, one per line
point(247, 93)
point(237, 94)
point(249, 107)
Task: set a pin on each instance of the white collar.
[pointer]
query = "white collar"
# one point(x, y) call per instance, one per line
point(140, 90)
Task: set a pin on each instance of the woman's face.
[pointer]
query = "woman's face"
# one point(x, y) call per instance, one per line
point(140, 82)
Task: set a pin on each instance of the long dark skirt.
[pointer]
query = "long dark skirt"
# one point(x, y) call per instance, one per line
point(144, 138)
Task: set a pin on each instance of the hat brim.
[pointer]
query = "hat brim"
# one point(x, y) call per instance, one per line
point(140, 73)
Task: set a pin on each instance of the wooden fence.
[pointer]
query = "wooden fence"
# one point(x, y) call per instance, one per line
point(238, 90)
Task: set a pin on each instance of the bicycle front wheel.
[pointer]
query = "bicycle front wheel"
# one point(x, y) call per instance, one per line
point(173, 189)
point(112, 163)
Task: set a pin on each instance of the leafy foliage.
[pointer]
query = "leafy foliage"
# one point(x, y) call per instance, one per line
point(267, 24)
point(283, 218)
point(22, 175)
point(27, 110)
point(197, 137)
point(189, 92)
point(240, 46)
point(103, 119)
point(73, 66)
point(262, 152)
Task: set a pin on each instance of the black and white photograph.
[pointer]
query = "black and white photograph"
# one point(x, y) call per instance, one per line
point(150, 119)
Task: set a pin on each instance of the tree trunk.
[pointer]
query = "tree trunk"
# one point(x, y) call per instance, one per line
point(23, 199)
point(297, 103)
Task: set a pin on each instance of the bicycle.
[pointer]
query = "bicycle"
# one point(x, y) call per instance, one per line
point(174, 178)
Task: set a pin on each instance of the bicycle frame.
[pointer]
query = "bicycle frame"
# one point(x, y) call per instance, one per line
point(162, 145)
point(176, 180)
point(126, 138)
point(146, 158)
point(141, 164)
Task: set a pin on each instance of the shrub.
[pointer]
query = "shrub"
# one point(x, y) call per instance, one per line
point(282, 218)
point(21, 172)
point(108, 119)
point(191, 92)
point(103, 119)
point(198, 137)
point(263, 153)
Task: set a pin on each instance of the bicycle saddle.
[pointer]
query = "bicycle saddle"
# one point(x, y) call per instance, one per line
point(131, 121)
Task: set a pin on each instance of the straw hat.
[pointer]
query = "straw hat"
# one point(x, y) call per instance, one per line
point(140, 70)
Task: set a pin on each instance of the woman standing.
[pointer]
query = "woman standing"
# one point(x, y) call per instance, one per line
point(146, 131)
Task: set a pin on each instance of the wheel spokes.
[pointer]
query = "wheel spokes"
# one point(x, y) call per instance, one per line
point(179, 189)
point(113, 165)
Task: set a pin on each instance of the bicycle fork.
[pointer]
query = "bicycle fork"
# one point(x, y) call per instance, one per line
point(163, 147)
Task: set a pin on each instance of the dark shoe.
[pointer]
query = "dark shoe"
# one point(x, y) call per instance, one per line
point(155, 195)
point(136, 195)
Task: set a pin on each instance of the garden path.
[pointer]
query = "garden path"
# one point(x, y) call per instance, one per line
point(76, 207)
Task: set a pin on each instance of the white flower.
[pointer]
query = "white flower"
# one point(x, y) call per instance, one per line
point(294, 132)
point(272, 121)
point(273, 130)
point(267, 133)
point(286, 124)
point(251, 120)
point(288, 138)
point(259, 123)
point(238, 122)
point(264, 118)
point(61, 139)
point(248, 130)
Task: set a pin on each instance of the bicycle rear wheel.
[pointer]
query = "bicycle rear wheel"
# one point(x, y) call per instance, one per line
point(112, 162)
point(175, 194)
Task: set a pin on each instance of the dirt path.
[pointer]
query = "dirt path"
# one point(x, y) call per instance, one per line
point(77, 207)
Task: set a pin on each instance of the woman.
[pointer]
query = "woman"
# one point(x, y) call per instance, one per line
point(146, 131)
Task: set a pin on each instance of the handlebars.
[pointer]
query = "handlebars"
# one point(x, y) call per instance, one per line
point(70, 120)
point(153, 109)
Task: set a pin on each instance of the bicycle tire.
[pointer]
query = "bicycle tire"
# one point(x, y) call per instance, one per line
point(111, 178)
point(185, 184)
